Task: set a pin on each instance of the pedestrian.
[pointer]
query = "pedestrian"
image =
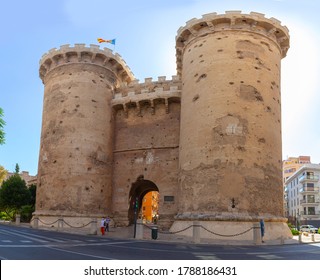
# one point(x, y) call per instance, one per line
point(107, 221)
point(262, 229)
point(102, 225)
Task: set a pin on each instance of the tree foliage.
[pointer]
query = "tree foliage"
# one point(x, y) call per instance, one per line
point(17, 169)
point(14, 194)
point(2, 124)
point(3, 174)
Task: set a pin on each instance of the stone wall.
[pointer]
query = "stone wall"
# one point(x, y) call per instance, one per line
point(146, 145)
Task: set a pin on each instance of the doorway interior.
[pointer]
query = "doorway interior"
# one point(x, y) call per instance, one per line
point(143, 199)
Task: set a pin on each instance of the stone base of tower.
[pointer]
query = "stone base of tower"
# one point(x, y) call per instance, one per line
point(229, 230)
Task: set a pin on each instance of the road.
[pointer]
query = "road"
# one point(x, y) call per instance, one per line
point(21, 243)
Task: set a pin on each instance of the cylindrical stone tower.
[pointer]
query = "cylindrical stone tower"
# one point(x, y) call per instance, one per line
point(75, 161)
point(230, 138)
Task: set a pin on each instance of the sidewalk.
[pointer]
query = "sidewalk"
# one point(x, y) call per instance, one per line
point(128, 233)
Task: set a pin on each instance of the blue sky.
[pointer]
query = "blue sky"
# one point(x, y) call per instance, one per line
point(145, 33)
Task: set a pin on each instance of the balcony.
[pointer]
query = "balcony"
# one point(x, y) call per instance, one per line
point(306, 189)
point(309, 178)
point(310, 215)
point(311, 202)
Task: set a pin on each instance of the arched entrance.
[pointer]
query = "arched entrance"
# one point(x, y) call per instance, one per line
point(138, 190)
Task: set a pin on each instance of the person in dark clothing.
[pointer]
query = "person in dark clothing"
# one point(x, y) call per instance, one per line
point(262, 229)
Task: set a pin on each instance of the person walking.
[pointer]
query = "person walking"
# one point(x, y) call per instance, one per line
point(102, 225)
point(107, 222)
point(262, 230)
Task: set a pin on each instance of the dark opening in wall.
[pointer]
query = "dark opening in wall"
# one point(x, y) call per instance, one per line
point(168, 198)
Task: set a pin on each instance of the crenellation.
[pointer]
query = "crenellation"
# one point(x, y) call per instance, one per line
point(275, 21)
point(230, 21)
point(191, 21)
point(161, 79)
point(53, 50)
point(66, 46)
point(234, 12)
point(134, 83)
point(209, 15)
point(144, 94)
point(79, 46)
point(257, 15)
point(94, 47)
point(175, 78)
point(66, 53)
point(108, 51)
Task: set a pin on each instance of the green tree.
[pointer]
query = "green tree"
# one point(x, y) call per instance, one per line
point(13, 195)
point(2, 124)
point(3, 174)
point(27, 210)
point(17, 169)
point(33, 191)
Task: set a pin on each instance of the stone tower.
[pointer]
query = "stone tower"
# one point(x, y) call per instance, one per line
point(208, 141)
point(230, 145)
point(76, 152)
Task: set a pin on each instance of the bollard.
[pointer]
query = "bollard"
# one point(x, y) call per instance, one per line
point(154, 232)
point(312, 238)
point(18, 219)
point(257, 234)
point(139, 229)
point(60, 223)
point(196, 232)
point(93, 227)
point(36, 222)
point(300, 237)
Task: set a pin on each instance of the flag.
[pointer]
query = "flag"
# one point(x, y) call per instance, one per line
point(113, 41)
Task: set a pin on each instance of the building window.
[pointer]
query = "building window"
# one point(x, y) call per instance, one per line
point(311, 211)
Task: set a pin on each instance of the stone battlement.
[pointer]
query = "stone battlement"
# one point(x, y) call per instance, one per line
point(137, 94)
point(231, 21)
point(80, 53)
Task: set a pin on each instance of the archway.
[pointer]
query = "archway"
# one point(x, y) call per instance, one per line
point(138, 190)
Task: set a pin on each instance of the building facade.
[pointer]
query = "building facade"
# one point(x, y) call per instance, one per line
point(289, 167)
point(29, 179)
point(208, 140)
point(292, 164)
point(303, 195)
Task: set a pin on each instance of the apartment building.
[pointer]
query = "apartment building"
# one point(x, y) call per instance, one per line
point(302, 195)
point(292, 164)
point(289, 167)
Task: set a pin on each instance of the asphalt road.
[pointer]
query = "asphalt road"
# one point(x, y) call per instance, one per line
point(20, 243)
